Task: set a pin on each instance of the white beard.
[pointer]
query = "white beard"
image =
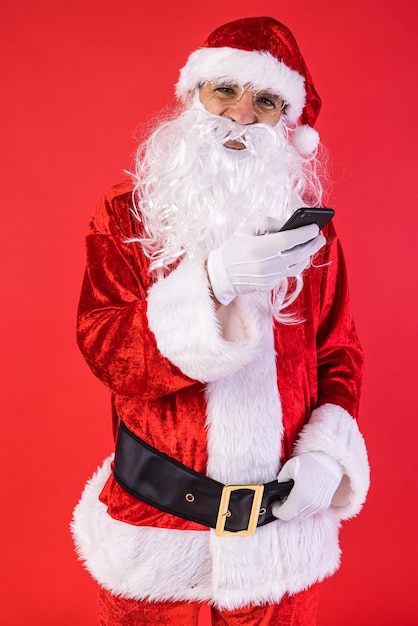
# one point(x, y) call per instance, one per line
point(192, 193)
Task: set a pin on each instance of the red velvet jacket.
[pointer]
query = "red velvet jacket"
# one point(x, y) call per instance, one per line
point(318, 361)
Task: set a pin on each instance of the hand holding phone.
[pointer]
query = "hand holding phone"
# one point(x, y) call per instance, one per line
point(246, 263)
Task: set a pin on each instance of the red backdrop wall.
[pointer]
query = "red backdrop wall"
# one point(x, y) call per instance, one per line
point(77, 79)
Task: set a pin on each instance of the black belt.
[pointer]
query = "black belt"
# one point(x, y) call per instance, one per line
point(170, 486)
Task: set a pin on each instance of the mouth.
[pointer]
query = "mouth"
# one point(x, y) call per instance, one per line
point(234, 144)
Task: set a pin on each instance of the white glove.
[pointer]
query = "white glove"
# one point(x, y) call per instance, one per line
point(317, 477)
point(246, 263)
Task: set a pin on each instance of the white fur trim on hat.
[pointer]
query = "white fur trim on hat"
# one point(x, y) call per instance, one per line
point(259, 69)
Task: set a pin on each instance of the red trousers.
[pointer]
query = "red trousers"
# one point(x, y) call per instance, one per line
point(297, 610)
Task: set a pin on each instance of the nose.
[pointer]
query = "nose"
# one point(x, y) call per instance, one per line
point(242, 111)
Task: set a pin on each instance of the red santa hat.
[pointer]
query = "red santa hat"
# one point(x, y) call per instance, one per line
point(263, 53)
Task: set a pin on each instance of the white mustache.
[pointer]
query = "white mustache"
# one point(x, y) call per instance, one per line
point(222, 129)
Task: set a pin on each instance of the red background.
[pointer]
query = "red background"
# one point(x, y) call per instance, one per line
point(77, 79)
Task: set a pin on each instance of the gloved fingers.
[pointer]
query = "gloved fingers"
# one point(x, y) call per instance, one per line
point(306, 249)
point(316, 479)
point(297, 268)
point(287, 510)
point(246, 248)
point(309, 504)
point(288, 472)
point(302, 253)
point(275, 509)
point(262, 226)
point(302, 505)
point(316, 244)
point(290, 238)
point(268, 226)
point(265, 249)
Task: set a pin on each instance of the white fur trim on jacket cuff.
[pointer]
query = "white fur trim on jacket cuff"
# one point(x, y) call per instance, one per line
point(332, 430)
point(182, 316)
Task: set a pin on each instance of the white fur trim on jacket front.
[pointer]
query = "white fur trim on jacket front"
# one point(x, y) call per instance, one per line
point(333, 431)
point(261, 70)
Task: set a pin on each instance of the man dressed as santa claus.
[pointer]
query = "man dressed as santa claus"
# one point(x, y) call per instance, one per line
point(230, 352)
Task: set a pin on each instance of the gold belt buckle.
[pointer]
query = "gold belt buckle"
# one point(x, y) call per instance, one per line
point(223, 510)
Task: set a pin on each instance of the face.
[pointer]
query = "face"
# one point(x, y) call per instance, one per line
point(244, 106)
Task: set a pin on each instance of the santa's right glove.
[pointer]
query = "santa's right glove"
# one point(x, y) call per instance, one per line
point(246, 263)
point(317, 477)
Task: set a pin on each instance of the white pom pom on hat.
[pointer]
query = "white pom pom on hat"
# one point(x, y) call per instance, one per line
point(305, 139)
point(262, 52)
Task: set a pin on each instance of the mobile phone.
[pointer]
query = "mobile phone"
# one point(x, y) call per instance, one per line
point(305, 216)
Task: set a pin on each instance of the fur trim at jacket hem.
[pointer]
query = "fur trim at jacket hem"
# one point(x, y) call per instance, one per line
point(160, 564)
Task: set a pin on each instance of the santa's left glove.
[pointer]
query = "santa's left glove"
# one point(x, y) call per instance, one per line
point(317, 477)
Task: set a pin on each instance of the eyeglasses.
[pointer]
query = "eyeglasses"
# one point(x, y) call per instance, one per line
point(267, 104)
